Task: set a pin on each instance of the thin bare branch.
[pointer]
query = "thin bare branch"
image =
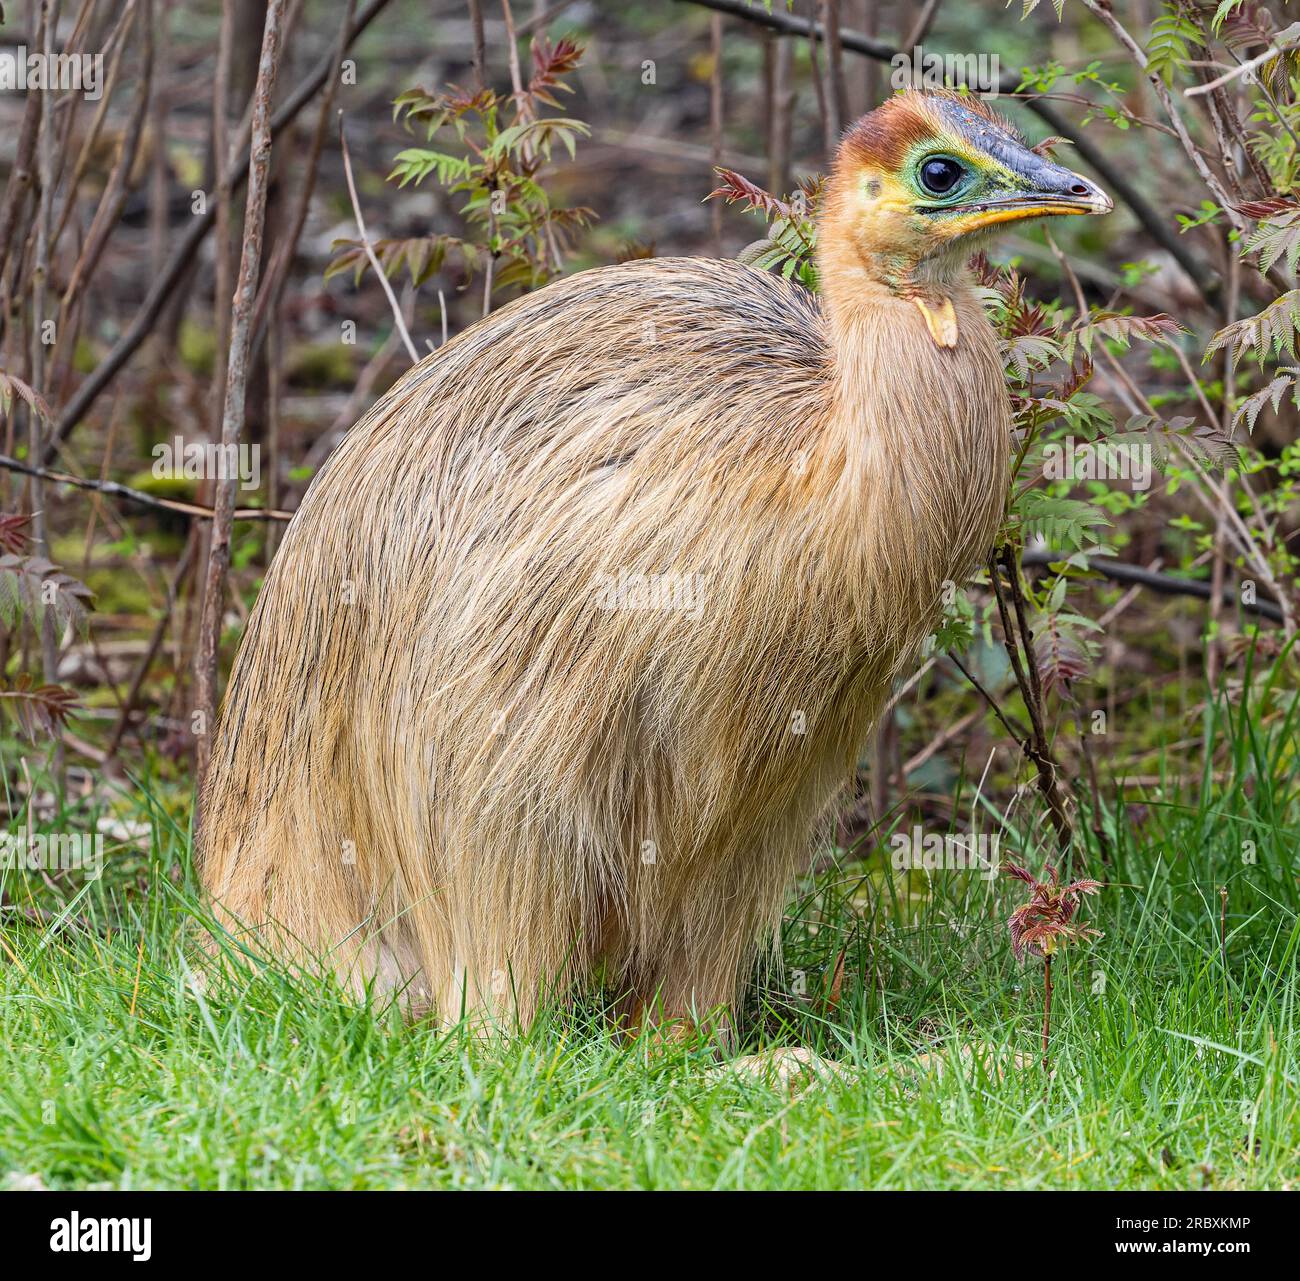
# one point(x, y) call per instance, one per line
point(114, 489)
point(1242, 69)
point(232, 420)
point(384, 282)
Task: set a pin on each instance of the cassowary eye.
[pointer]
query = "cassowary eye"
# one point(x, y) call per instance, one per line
point(939, 175)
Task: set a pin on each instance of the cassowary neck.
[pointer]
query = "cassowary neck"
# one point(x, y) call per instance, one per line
point(918, 433)
point(903, 404)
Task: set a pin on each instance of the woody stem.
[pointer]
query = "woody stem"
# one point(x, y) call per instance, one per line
point(1047, 1006)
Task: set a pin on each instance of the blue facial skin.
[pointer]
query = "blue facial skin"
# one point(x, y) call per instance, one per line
point(1035, 174)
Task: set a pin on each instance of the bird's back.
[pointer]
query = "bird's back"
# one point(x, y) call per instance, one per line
point(649, 364)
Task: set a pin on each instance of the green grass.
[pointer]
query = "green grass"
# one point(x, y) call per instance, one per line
point(1172, 1068)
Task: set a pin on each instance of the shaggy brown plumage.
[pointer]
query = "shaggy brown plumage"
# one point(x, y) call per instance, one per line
point(464, 755)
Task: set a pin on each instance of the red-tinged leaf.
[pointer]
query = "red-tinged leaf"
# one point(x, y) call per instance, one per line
point(1113, 324)
point(736, 188)
point(1046, 921)
point(1080, 375)
point(1269, 207)
point(550, 63)
point(1062, 658)
point(831, 1001)
point(434, 109)
point(13, 535)
point(38, 707)
point(10, 386)
point(1084, 887)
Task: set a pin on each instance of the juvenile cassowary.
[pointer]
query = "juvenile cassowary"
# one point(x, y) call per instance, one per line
point(575, 639)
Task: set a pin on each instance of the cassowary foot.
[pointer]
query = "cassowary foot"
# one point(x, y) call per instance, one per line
point(791, 1067)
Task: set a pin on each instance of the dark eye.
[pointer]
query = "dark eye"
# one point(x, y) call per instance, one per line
point(939, 175)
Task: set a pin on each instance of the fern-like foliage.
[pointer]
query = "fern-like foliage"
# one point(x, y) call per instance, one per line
point(415, 164)
point(1028, 6)
point(1287, 379)
point(1024, 354)
point(1170, 439)
point(1268, 333)
point(791, 242)
point(11, 386)
point(1063, 644)
point(1169, 48)
point(37, 709)
point(29, 585)
point(493, 152)
point(422, 257)
point(1120, 328)
point(1058, 522)
point(1278, 235)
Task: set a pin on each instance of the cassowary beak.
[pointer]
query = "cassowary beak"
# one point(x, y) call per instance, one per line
point(1050, 191)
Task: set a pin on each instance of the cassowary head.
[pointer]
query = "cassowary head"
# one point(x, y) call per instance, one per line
point(918, 180)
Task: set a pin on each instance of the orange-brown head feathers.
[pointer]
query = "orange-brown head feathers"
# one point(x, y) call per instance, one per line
point(914, 181)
